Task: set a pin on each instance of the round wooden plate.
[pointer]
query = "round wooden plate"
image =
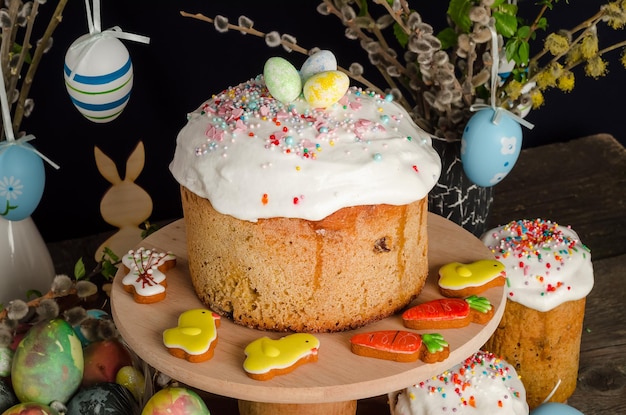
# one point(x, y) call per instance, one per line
point(338, 375)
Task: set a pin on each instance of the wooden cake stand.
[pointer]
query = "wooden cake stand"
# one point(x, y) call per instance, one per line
point(329, 386)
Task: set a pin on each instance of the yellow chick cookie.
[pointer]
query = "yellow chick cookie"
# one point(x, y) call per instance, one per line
point(463, 280)
point(195, 337)
point(266, 358)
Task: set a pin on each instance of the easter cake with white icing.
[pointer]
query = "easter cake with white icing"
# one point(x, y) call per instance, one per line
point(304, 217)
point(549, 275)
point(481, 384)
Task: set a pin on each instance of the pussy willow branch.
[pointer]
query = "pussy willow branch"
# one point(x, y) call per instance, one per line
point(32, 68)
point(26, 46)
point(35, 302)
point(283, 42)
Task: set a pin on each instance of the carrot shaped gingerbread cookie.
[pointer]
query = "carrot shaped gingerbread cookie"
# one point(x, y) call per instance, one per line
point(400, 346)
point(462, 280)
point(448, 313)
point(195, 337)
point(266, 358)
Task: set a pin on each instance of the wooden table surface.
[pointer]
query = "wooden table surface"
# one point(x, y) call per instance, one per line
point(581, 183)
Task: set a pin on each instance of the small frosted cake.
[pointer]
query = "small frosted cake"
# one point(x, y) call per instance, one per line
point(301, 218)
point(549, 275)
point(481, 384)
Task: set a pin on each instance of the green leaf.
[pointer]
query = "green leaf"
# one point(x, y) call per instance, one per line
point(401, 35)
point(108, 252)
point(523, 32)
point(458, 10)
point(108, 270)
point(79, 269)
point(447, 37)
point(506, 8)
point(506, 24)
point(542, 23)
point(33, 294)
point(523, 53)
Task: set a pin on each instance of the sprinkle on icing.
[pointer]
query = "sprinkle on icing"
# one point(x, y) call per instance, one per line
point(243, 144)
point(546, 264)
point(482, 383)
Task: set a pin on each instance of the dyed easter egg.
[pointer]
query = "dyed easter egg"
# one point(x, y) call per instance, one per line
point(103, 359)
point(98, 76)
point(48, 363)
point(321, 61)
point(103, 399)
point(282, 79)
point(555, 408)
point(30, 408)
point(6, 357)
point(488, 150)
point(7, 397)
point(22, 180)
point(175, 400)
point(326, 88)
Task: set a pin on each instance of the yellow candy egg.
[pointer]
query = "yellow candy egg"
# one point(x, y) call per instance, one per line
point(132, 379)
point(326, 88)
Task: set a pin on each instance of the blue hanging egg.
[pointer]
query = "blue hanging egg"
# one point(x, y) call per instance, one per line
point(22, 180)
point(98, 76)
point(489, 150)
point(555, 408)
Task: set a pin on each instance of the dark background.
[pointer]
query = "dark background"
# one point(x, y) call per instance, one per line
point(187, 61)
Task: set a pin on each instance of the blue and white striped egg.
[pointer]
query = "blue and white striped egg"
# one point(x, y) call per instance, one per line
point(22, 180)
point(320, 61)
point(98, 76)
point(489, 150)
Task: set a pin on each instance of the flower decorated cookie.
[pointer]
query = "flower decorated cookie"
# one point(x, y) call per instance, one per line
point(145, 274)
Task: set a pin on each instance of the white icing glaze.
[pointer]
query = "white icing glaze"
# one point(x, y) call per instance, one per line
point(254, 157)
point(482, 384)
point(146, 283)
point(143, 258)
point(546, 264)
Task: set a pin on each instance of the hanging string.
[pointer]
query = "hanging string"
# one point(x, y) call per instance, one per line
point(498, 111)
point(8, 126)
point(96, 33)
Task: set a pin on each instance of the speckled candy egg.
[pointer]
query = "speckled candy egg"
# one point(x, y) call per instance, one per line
point(488, 150)
point(103, 399)
point(282, 79)
point(175, 401)
point(326, 88)
point(48, 363)
point(98, 76)
point(30, 408)
point(320, 61)
point(22, 180)
point(555, 408)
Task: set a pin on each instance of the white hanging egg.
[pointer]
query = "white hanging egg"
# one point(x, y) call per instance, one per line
point(489, 150)
point(98, 76)
point(320, 61)
point(22, 180)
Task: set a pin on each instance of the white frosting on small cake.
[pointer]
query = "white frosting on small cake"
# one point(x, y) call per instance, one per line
point(254, 157)
point(546, 264)
point(482, 384)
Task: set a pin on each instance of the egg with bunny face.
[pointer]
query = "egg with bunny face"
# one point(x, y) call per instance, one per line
point(490, 147)
point(98, 76)
point(22, 180)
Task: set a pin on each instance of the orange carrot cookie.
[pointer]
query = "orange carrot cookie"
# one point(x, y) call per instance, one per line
point(462, 280)
point(195, 337)
point(145, 274)
point(448, 313)
point(266, 358)
point(400, 346)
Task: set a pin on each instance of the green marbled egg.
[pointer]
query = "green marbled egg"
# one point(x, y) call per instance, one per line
point(48, 363)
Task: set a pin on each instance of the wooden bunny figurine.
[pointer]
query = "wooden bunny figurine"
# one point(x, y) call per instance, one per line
point(125, 204)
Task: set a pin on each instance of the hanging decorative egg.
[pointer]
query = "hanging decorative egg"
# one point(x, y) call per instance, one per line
point(490, 149)
point(98, 76)
point(22, 180)
point(555, 408)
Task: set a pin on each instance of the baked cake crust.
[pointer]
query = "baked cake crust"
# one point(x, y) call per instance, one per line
point(357, 265)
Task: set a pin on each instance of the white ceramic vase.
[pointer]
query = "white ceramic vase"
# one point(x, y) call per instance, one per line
point(25, 262)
